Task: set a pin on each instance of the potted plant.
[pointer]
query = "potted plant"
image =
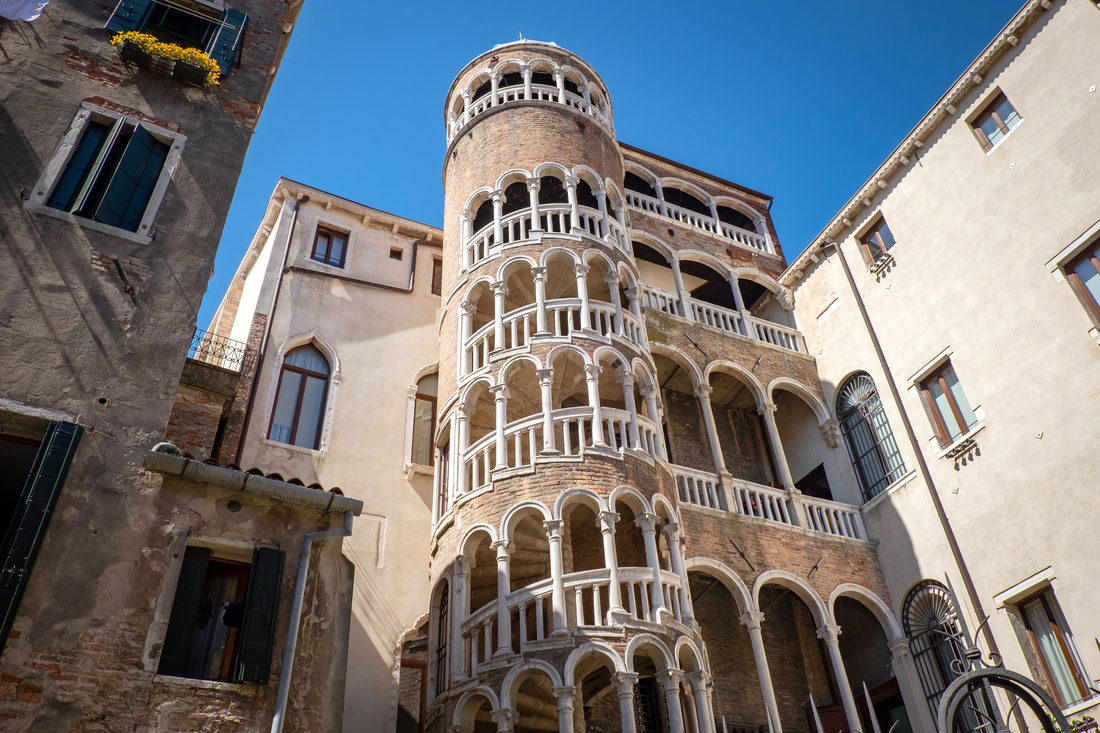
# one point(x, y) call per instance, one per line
point(195, 67)
point(134, 48)
point(189, 65)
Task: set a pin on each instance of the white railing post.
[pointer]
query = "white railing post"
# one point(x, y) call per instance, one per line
point(592, 375)
point(500, 395)
point(504, 583)
point(533, 195)
point(574, 211)
point(546, 378)
point(581, 272)
point(557, 597)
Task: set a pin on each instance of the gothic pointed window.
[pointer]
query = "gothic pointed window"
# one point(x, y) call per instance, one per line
point(300, 398)
point(867, 433)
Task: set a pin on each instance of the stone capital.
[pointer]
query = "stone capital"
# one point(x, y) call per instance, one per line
point(500, 392)
point(899, 648)
point(462, 411)
point(553, 528)
point(505, 719)
point(702, 392)
point(499, 288)
point(497, 196)
point(608, 520)
point(565, 697)
point(611, 278)
point(545, 376)
point(626, 379)
point(829, 633)
point(462, 566)
point(699, 680)
point(647, 522)
point(538, 273)
point(581, 270)
point(670, 678)
point(503, 548)
point(768, 408)
point(752, 620)
point(469, 308)
point(534, 183)
point(599, 190)
point(624, 683)
point(830, 431)
point(468, 214)
point(592, 371)
point(572, 181)
point(671, 531)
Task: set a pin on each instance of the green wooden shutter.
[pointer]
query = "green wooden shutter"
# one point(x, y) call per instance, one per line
point(131, 186)
point(226, 42)
point(32, 516)
point(130, 15)
point(257, 641)
point(176, 651)
point(64, 193)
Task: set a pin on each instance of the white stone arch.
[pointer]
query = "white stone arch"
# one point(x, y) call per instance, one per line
point(508, 65)
point(589, 649)
point(553, 354)
point(755, 216)
point(543, 64)
point(601, 351)
point(589, 176)
point(659, 501)
point(517, 674)
point(655, 243)
point(631, 497)
point(686, 644)
point(649, 640)
point(684, 361)
point(591, 254)
point(614, 193)
point(477, 198)
point(550, 168)
point(311, 337)
point(759, 393)
point(627, 278)
point(705, 258)
point(796, 585)
point(515, 175)
point(872, 602)
point(476, 81)
point(505, 369)
point(464, 712)
point(518, 512)
point(545, 256)
point(748, 273)
point(512, 263)
point(815, 403)
point(578, 495)
point(424, 371)
point(472, 534)
point(721, 572)
point(575, 75)
point(686, 187)
point(647, 372)
point(483, 280)
point(642, 172)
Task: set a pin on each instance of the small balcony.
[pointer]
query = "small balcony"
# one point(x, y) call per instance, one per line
point(709, 223)
point(219, 351)
point(732, 322)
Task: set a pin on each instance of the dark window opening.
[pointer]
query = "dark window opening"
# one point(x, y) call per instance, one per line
point(876, 242)
point(180, 27)
point(396, 253)
point(442, 636)
point(571, 86)
point(685, 200)
point(511, 79)
point(484, 216)
point(645, 253)
point(751, 292)
point(543, 78)
point(516, 197)
point(815, 484)
point(585, 197)
point(637, 183)
point(867, 434)
point(735, 218)
point(716, 290)
point(482, 90)
point(437, 276)
point(16, 460)
point(552, 191)
point(648, 716)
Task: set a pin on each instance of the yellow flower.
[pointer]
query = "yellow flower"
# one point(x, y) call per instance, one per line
point(152, 46)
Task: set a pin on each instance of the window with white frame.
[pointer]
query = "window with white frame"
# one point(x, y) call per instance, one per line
point(1053, 642)
point(109, 172)
point(424, 416)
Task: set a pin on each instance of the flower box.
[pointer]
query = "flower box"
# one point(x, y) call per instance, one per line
point(190, 74)
point(134, 54)
point(162, 65)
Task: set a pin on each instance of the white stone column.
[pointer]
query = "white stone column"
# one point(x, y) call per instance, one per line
point(565, 708)
point(794, 496)
point(467, 103)
point(592, 375)
point(539, 276)
point(649, 394)
point(611, 562)
point(505, 720)
point(661, 198)
point(437, 485)
point(670, 683)
point(587, 100)
point(829, 634)
point(672, 536)
point(499, 291)
point(681, 291)
point(458, 615)
point(714, 215)
point(463, 416)
point(700, 685)
point(624, 686)
point(635, 303)
point(912, 693)
point(648, 524)
point(601, 202)
point(581, 271)
point(746, 319)
point(620, 215)
point(752, 621)
point(494, 80)
point(533, 195)
point(498, 199)
point(559, 79)
point(527, 72)
point(467, 220)
point(626, 379)
point(546, 377)
point(504, 587)
point(465, 327)
point(574, 212)
point(557, 595)
point(500, 395)
point(702, 393)
point(612, 280)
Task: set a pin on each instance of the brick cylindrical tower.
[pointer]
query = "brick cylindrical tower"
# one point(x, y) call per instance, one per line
point(558, 577)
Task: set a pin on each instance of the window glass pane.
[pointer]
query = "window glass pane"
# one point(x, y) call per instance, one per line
point(887, 237)
point(422, 432)
point(337, 255)
point(1007, 114)
point(309, 420)
point(428, 385)
point(285, 403)
point(308, 357)
point(1057, 664)
point(939, 399)
point(960, 397)
point(321, 251)
point(1089, 278)
point(1067, 635)
point(992, 131)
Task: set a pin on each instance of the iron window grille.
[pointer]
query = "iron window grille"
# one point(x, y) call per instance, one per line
point(442, 636)
point(867, 434)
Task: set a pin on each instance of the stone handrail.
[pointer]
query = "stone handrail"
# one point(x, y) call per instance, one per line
point(540, 92)
point(698, 487)
point(833, 517)
point(696, 220)
point(518, 226)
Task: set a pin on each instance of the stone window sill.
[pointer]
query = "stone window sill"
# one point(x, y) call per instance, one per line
point(246, 690)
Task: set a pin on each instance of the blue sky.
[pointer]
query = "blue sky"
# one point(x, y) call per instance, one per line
point(799, 100)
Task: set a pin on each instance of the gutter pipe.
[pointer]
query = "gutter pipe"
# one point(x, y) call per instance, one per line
point(296, 617)
point(926, 474)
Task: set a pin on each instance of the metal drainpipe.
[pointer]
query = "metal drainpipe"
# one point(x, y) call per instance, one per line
point(296, 618)
point(945, 523)
point(267, 331)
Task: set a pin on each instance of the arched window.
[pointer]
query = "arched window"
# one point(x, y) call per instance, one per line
point(938, 641)
point(442, 637)
point(300, 398)
point(870, 441)
point(424, 420)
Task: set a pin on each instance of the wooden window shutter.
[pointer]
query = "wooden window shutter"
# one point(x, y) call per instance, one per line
point(87, 150)
point(261, 608)
point(130, 15)
point(132, 184)
point(176, 651)
point(32, 516)
point(226, 42)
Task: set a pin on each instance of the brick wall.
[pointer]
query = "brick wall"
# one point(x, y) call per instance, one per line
point(194, 421)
